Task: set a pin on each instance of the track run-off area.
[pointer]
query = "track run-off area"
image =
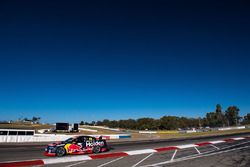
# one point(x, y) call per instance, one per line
point(230, 150)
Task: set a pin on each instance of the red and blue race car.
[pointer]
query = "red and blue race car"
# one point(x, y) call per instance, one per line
point(77, 145)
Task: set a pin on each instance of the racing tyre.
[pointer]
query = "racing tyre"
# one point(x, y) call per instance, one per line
point(96, 149)
point(60, 151)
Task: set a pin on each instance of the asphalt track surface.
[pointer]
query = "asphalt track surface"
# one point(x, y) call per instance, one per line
point(236, 153)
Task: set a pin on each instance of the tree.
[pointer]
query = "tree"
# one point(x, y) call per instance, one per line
point(35, 119)
point(218, 108)
point(217, 118)
point(169, 122)
point(99, 123)
point(211, 119)
point(127, 124)
point(246, 119)
point(145, 123)
point(220, 116)
point(26, 119)
point(113, 124)
point(81, 123)
point(232, 115)
point(106, 122)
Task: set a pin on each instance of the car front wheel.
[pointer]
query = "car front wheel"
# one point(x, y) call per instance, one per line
point(60, 151)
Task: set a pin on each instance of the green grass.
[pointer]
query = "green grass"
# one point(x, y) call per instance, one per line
point(25, 126)
point(184, 135)
point(101, 131)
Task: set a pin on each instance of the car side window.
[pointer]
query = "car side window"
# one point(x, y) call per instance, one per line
point(91, 139)
point(76, 140)
point(68, 140)
point(79, 140)
point(82, 139)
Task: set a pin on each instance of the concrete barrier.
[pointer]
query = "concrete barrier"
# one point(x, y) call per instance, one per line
point(102, 127)
point(168, 132)
point(52, 137)
point(116, 136)
point(147, 132)
point(34, 138)
point(232, 128)
point(88, 130)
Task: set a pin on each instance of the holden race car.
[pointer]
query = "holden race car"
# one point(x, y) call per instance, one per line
point(77, 145)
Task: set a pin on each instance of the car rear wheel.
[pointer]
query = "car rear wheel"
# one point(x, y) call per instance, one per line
point(60, 151)
point(96, 149)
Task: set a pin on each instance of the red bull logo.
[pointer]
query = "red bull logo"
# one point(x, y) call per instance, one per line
point(71, 148)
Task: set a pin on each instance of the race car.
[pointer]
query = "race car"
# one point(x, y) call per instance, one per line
point(77, 145)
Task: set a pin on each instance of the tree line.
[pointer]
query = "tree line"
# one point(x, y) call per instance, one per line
point(218, 118)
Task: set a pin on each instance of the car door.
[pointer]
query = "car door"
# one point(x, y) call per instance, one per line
point(82, 141)
point(90, 141)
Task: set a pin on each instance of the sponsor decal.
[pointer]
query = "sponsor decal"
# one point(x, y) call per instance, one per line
point(71, 148)
point(97, 143)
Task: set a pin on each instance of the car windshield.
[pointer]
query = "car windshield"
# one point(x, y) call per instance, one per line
point(69, 140)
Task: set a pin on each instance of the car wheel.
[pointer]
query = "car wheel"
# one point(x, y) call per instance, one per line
point(60, 151)
point(96, 149)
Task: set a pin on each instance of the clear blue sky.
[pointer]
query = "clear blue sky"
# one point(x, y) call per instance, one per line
point(74, 60)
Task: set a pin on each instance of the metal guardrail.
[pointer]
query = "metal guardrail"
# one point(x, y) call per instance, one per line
point(16, 132)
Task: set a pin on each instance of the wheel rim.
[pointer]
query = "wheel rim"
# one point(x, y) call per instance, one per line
point(60, 152)
point(97, 149)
